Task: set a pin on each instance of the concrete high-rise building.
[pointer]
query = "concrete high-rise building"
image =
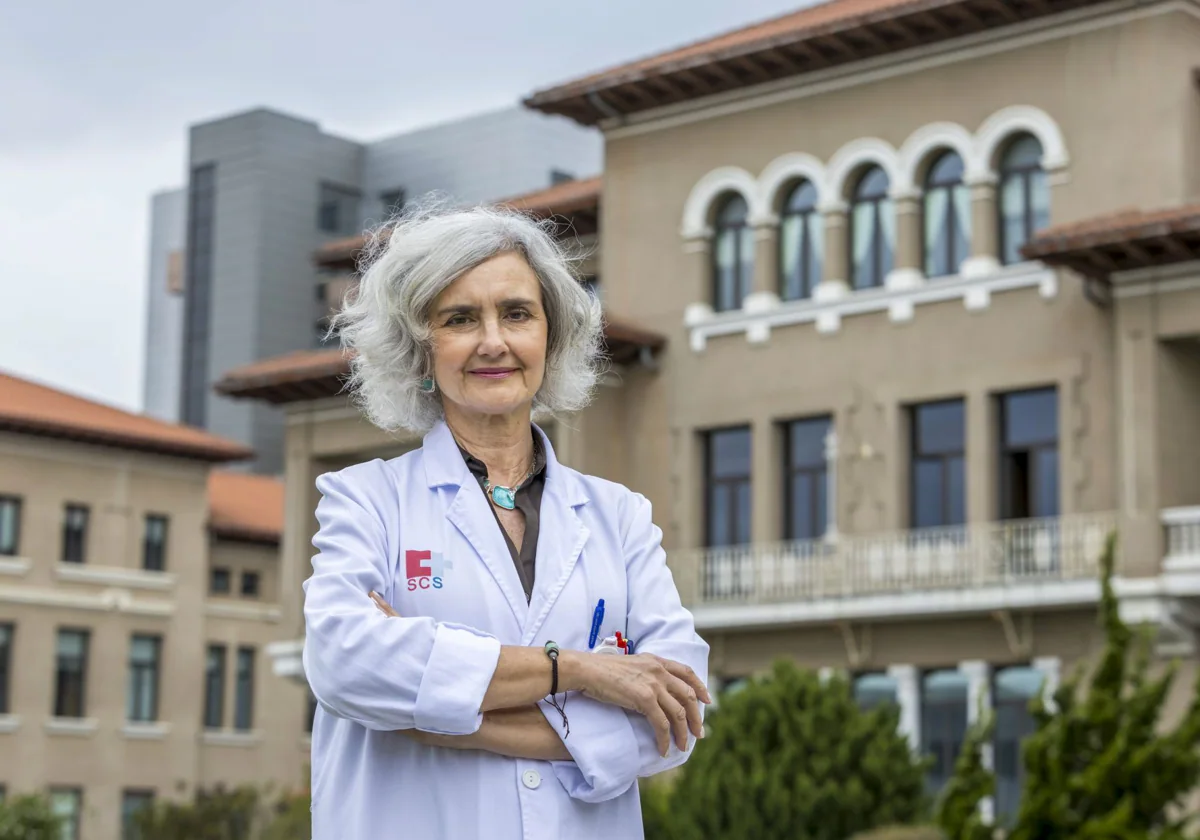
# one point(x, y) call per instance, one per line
point(164, 316)
point(265, 190)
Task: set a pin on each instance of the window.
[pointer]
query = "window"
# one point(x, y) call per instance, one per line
point(6, 657)
point(727, 485)
point(806, 492)
point(947, 216)
point(338, 210)
point(874, 690)
point(75, 522)
point(218, 581)
point(801, 243)
point(145, 653)
point(1024, 196)
point(1029, 454)
point(70, 680)
point(872, 230)
point(243, 711)
point(202, 189)
point(733, 254)
point(1012, 690)
point(10, 526)
point(938, 487)
point(214, 687)
point(249, 584)
point(943, 723)
point(132, 802)
point(154, 545)
point(66, 804)
point(393, 204)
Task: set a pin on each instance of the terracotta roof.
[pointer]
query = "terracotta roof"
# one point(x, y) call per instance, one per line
point(834, 33)
point(31, 408)
point(1121, 241)
point(579, 200)
point(244, 506)
point(314, 374)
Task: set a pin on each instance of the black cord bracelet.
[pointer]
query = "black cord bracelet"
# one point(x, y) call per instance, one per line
point(552, 652)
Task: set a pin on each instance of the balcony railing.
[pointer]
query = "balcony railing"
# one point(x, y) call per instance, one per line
point(972, 556)
point(1182, 526)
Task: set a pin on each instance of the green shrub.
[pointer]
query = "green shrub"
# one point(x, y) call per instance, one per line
point(28, 818)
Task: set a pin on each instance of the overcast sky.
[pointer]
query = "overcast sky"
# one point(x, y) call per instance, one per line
point(96, 98)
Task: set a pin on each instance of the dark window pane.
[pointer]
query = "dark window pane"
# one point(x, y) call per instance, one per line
point(142, 699)
point(214, 687)
point(802, 198)
point(1013, 690)
point(730, 453)
point(1030, 418)
point(733, 211)
point(874, 184)
point(243, 712)
point(250, 584)
point(806, 442)
point(947, 170)
point(719, 524)
point(742, 526)
point(1023, 153)
point(941, 427)
point(805, 525)
point(132, 802)
point(956, 491)
point(219, 581)
point(70, 673)
point(943, 723)
point(874, 690)
point(75, 522)
point(66, 804)
point(10, 525)
point(6, 648)
point(154, 547)
point(928, 494)
point(1046, 474)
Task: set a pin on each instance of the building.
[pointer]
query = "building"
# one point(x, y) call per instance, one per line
point(139, 588)
point(924, 279)
point(265, 190)
point(164, 306)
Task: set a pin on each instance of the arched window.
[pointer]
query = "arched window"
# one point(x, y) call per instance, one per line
point(800, 243)
point(733, 254)
point(1024, 196)
point(872, 230)
point(947, 217)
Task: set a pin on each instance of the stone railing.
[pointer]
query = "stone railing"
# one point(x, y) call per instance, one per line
point(985, 555)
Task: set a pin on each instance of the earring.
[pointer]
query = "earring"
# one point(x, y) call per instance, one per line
point(428, 385)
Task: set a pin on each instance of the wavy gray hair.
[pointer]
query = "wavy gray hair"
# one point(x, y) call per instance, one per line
point(407, 264)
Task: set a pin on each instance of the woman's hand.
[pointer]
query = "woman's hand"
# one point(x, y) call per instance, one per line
point(667, 693)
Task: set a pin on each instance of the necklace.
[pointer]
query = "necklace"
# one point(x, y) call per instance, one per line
point(505, 497)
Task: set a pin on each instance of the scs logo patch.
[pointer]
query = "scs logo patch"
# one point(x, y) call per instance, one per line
point(425, 569)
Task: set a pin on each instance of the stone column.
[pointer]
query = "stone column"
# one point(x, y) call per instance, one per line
point(979, 703)
point(908, 695)
point(835, 282)
point(764, 292)
point(831, 482)
point(906, 270)
point(698, 306)
point(765, 482)
point(985, 248)
point(981, 458)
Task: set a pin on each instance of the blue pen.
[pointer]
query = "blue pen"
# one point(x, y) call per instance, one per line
point(597, 617)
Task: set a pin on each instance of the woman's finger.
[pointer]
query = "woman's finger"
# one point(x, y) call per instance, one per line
point(676, 714)
point(686, 696)
point(683, 672)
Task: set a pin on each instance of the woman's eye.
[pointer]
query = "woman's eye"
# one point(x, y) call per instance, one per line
point(457, 321)
point(519, 314)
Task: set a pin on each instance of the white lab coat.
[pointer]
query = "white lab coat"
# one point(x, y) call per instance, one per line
point(429, 668)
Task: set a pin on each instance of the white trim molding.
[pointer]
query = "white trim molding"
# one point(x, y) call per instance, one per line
point(900, 303)
point(792, 167)
point(1016, 119)
point(231, 738)
point(15, 566)
point(155, 730)
point(9, 724)
point(76, 727)
point(858, 153)
point(287, 659)
point(114, 576)
point(243, 612)
point(708, 189)
point(924, 142)
point(110, 600)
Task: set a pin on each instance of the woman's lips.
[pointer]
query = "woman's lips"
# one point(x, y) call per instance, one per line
point(493, 373)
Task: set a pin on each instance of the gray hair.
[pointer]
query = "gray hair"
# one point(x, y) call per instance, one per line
point(406, 265)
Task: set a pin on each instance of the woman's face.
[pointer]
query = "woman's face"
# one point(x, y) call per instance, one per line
point(489, 338)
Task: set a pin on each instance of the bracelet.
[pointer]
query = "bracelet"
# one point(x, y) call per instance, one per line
point(552, 652)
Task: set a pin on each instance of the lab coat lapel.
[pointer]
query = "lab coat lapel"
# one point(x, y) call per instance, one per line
point(561, 538)
point(470, 514)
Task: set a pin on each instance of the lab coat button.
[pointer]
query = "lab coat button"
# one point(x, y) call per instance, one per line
point(531, 779)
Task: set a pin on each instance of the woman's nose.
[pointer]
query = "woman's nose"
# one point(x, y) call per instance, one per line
point(492, 342)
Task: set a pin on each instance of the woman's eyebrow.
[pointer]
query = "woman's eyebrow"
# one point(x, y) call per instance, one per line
point(457, 309)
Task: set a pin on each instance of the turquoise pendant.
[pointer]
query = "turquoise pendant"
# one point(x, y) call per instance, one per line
point(504, 497)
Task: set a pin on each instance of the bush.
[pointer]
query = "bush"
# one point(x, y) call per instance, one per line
point(28, 818)
point(901, 832)
point(242, 813)
point(791, 757)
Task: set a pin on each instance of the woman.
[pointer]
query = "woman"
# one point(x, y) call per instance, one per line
point(475, 703)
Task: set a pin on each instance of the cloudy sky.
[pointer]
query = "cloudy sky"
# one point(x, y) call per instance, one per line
point(96, 99)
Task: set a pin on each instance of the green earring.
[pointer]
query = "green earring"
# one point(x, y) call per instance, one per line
point(427, 385)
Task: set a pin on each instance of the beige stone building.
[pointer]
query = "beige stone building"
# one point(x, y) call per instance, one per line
point(139, 589)
point(916, 287)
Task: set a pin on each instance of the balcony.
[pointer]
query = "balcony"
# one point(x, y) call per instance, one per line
point(1182, 537)
point(974, 568)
